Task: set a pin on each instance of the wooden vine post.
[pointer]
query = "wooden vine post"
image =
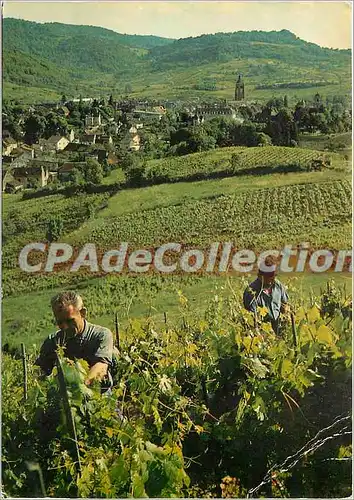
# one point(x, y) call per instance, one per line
point(24, 366)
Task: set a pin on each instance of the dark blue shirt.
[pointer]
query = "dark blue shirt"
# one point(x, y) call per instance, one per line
point(255, 296)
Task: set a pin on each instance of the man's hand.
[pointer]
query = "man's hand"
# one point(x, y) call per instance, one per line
point(285, 308)
point(97, 372)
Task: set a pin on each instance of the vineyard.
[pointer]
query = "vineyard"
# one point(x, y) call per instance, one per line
point(258, 218)
point(219, 163)
point(27, 221)
point(209, 407)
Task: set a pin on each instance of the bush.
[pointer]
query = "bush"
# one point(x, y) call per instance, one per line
point(55, 229)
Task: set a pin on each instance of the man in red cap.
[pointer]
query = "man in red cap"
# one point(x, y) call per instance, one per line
point(267, 292)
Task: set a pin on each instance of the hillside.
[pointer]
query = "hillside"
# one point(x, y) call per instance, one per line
point(300, 207)
point(279, 45)
point(94, 60)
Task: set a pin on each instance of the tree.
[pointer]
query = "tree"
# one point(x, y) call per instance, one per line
point(283, 129)
point(63, 99)
point(135, 176)
point(286, 104)
point(55, 229)
point(264, 139)
point(76, 177)
point(275, 103)
point(110, 100)
point(245, 134)
point(55, 125)
point(75, 119)
point(34, 127)
point(93, 173)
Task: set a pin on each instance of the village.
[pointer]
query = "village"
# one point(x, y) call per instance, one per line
point(106, 130)
point(53, 159)
point(52, 144)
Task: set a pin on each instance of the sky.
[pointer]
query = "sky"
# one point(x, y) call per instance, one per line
point(328, 24)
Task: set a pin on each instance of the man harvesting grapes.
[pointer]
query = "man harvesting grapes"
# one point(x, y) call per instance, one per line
point(80, 339)
point(268, 293)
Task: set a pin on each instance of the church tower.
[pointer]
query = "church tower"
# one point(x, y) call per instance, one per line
point(239, 89)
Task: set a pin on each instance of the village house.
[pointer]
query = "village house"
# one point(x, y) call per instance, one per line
point(149, 116)
point(104, 139)
point(9, 184)
point(76, 147)
point(36, 176)
point(63, 111)
point(49, 164)
point(100, 153)
point(134, 142)
point(71, 135)
point(112, 159)
point(88, 139)
point(82, 151)
point(20, 157)
point(8, 181)
point(54, 143)
point(93, 121)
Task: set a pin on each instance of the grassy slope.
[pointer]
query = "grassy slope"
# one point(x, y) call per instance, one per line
point(28, 318)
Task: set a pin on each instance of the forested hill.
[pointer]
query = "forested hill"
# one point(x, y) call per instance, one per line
point(72, 46)
point(90, 58)
point(278, 45)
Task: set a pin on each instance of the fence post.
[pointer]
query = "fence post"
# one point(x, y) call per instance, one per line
point(24, 365)
point(35, 467)
point(117, 331)
point(293, 327)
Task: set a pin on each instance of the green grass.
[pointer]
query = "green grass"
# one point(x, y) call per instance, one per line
point(28, 318)
point(116, 175)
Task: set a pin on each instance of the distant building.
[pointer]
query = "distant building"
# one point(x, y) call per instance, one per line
point(88, 139)
point(19, 157)
point(31, 176)
point(9, 184)
point(87, 100)
point(156, 113)
point(209, 111)
point(63, 110)
point(239, 89)
point(104, 139)
point(93, 121)
point(54, 143)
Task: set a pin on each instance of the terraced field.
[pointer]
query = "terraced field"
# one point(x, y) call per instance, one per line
point(258, 218)
point(218, 163)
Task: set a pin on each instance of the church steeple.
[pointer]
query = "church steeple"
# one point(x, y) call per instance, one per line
point(239, 89)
